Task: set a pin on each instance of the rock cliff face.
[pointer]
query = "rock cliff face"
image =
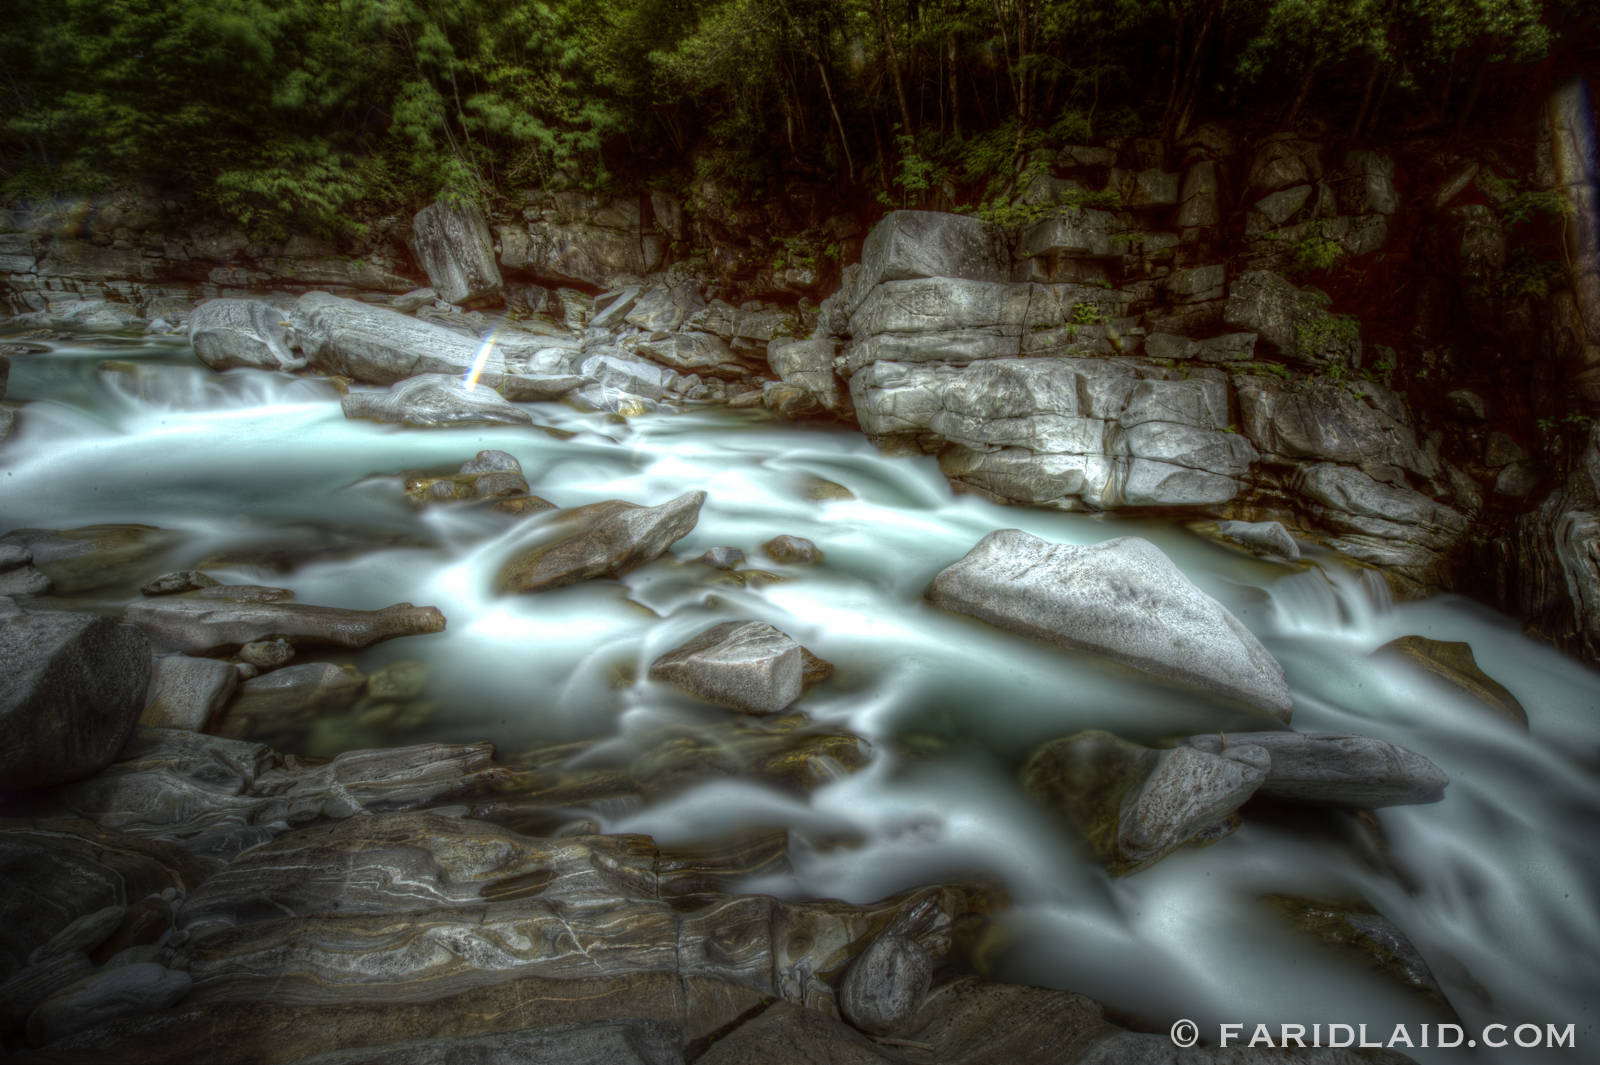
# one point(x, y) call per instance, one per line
point(1418, 408)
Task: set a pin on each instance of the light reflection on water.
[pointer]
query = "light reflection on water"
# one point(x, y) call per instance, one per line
point(1503, 872)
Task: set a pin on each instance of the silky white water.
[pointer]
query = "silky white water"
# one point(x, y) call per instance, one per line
point(1503, 874)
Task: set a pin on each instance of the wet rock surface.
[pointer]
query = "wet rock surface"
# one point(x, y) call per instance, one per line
point(748, 666)
point(231, 333)
point(432, 400)
point(1452, 661)
point(187, 693)
point(200, 626)
point(1335, 768)
point(1123, 599)
point(607, 539)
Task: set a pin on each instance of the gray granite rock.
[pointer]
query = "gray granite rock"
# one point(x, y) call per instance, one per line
point(434, 400)
point(380, 346)
point(200, 626)
point(663, 309)
point(1321, 421)
point(454, 246)
point(31, 986)
point(187, 693)
point(1264, 537)
point(1336, 769)
point(885, 985)
point(628, 1041)
point(182, 581)
point(792, 550)
point(1072, 233)
point(1188, 791)
point(231, 333)
point(142, 987)
point(611, 307)
point(415, 300)
point(1123, 599)
point(910, 244)
point(1290, 322)
point(609, 539)
point(743, 665)
point(639, 377)
point(71, 688)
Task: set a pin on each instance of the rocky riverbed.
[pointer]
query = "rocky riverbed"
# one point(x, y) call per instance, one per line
point(387, 679)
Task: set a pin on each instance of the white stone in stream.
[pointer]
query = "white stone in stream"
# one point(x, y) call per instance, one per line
point(1266, 537)
point(232, 333)
point(742, 665)
point(454, 246)
point(433, 400)
point(142, 987)
point(1336, 768)
point(381, 346)
point(1188, 791)
point(186, 692)
point(1123, 599)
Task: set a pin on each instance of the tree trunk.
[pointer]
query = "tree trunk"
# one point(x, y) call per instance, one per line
point(1366, 96)
point(827, 90)
point(1292, 112)
point(952, 54)
point(894, 66)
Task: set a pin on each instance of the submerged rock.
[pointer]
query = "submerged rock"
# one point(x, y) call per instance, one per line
point(721, 558)
point(792, 550)
point(1336, 768)
point(71, 689)
point(432, 400)
point(95, 556)
point(288, 701)
point(199, 626)
point(609, 539)
point(191, 580)
point(18, 575)
point(231, 333)
point(186, 693)
point(742, 665)
point(1453, 662)
point(1361, 931)
point(1123, 599)
point(1263, 537)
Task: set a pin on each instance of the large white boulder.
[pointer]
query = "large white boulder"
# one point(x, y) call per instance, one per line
point(231, 333)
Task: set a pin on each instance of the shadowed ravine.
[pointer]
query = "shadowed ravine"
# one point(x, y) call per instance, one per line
point(1494, 886)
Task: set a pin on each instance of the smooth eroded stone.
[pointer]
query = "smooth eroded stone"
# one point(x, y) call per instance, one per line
point(742, 665)
point(1123, 599)
point(266, 654)
point(1336, 769)
point(1453, 661)
point(82, 935)
point(721, 558)
point(1362, 933)
point(142, 987)
point(71, 689)
point(538, 388)
point(143, 924)
point(246, 593)
point(290, 699)
point(198, 626)
point(885, 985)
point(1263, 537)
point(191, 580)
point(792, 550)
point(454, 246)
point(230, 333)
point(380, 346)
point(1188, 792)
point(416, 299)
point(52, 872)
point(488, 461)
point(431, 400)
point(609, 539)
point(629, 1041)
point(185, 692)
point(95, 556)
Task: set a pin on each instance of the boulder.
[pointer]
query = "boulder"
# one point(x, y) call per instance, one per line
point(1187, 792)
point(539, 388)
point(95, 556)
point(1123, 599)
point(609, 539)
point(1381, 523)
point(913, 244)
point(627, 374)
point(1071, 233)
point(31, 986)
point(885, 985)
point(610, 307)
point(1277, 208)
point(792, 550)
point(1452, 661)
point(1229, 347)
point(430, 401)
point(1199, 198)
point(199, 626)
point(187, 692)
point(1320, 420)
point(288, 701)
point(71, 688)
point(415, 300)
point(1263, 537)
point(662, 310)
point(18, 575)
point(692, 351)
point(743, 665)
point(1366, 184)
point(229, 333)
point(454, 246)
point(1291, 323)
point(567, 252)
point(1198, 283)
point(378, 345)
point(143, 987)
point(1335, 769)
point(266, 655)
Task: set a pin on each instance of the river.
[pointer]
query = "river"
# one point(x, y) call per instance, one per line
point(1497, 885)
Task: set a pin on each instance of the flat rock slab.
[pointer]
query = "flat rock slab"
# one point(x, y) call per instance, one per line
point(228, 333)
point(1452, 661)
point(608, 539)
point(1123, 599)
point(1336, 769)
point(200, 626)
point(630, 1041)
point(71, 688)
point(380, 346)
point(429, 401)
point(187, 692)
point(742, 665)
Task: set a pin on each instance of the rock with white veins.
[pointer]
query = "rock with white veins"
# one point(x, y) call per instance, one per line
point(229, 333)
point(742, 665)
point(608, 539)
point(432, 400)
point(1336, 769)
point(1123, 599)
point(201, 626)
point(187, 692)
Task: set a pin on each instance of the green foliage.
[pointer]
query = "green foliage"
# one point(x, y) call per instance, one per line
point(1086, 314)
point(1526, 206)
point(1328, 330)
point(1268, 369)
point(1526, 276)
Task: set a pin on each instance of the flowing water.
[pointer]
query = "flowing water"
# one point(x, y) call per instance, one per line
point(1496, 885)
